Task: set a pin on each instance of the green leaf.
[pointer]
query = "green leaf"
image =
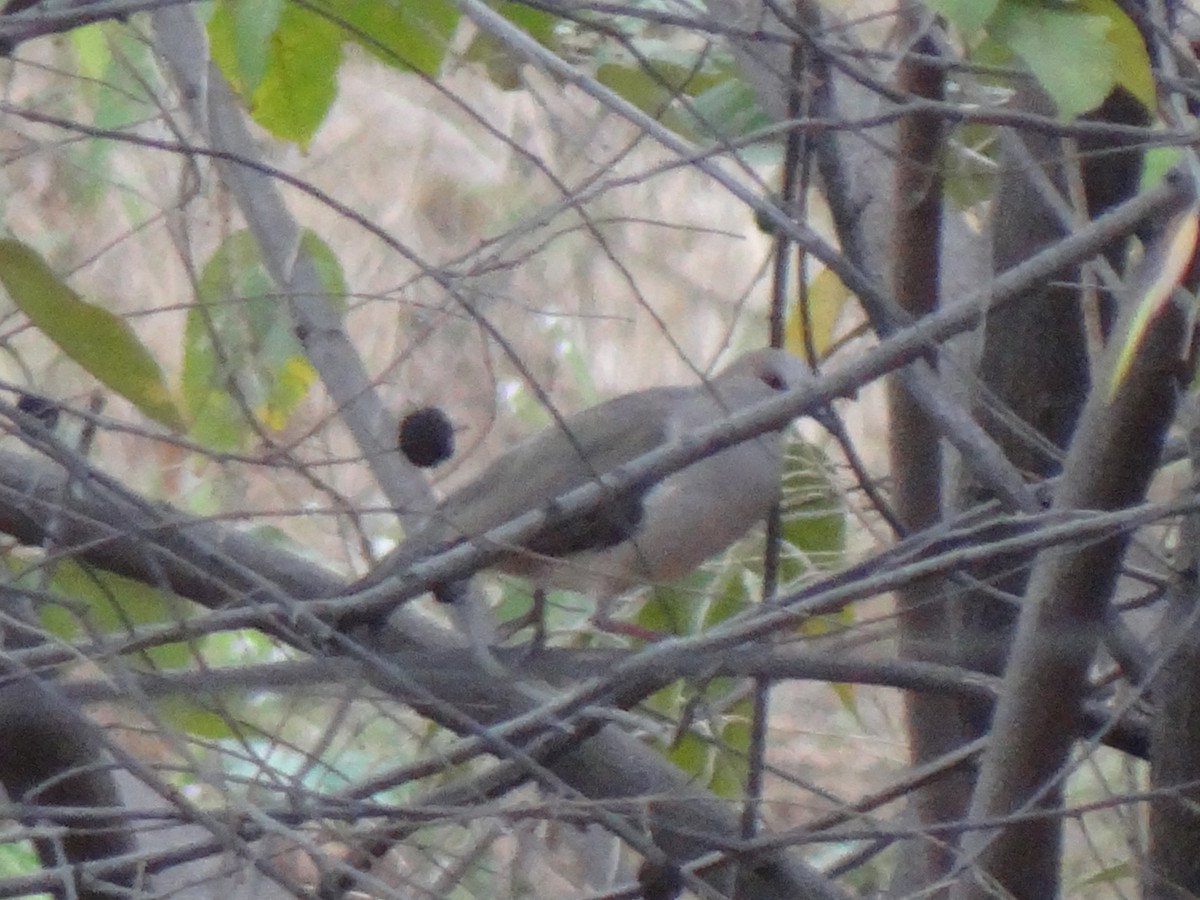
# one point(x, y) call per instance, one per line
point(670, 699)
point(971, 165)
point(675, 608)
point(814, 518)
point(118, 71)
point(846, 695)
point(1110, 874)
point(729, 109)
point(1156, 162)
point(1066, 51)
point(239, 342)
point(406, 34)
point(92, 57)
point(739, 588)
point(19, 858)
point(698, 99)
point(194, 718)
point(652, 86)
point(730, 763)
point(692, 755)
point(968, 16)
point(131, 69)
point(239, 35)
point(299, 81)
point(1077, 51)
point(720, 764)
point(239, 646)
point(1131, 58)
point(638, 86)
point(827, 297)
point(515, 602)
point(115, 605)
point(538, 24)
point(503, 67)
point(101, 342)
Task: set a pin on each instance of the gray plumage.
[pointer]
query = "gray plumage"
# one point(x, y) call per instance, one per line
point(658, 535)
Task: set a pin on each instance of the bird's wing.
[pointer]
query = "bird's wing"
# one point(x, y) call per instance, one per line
point(595, 442)
point(558, 460)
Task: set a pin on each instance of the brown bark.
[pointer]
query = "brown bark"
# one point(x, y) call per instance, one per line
point(1173, 866)
point(934, 726)
point(1113, 455)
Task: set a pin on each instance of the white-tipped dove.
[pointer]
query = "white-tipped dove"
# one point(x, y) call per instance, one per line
point(656, 535)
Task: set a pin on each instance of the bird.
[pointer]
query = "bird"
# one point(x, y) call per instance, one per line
point(645, 535)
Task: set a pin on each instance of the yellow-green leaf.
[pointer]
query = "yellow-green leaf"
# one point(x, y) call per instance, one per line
point(98, 340)
point(92, 55)
point(299, 82)
point(814, 515)
point(693, 755)
point(194, 718)
point(1078, 51)
point(240, 335)
point(674, 608)
point(407, 34)
point(1112, 873)
point(1164, 265)
point(1130, 58)
point(827, 297)
point(239, 36)
point(1156, 162)
point(113, 604)
point(846, 696)
point(730, 763)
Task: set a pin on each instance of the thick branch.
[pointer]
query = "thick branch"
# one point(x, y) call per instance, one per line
point(1113, 455)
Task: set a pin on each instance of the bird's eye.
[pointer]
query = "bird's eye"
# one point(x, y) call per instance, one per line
point(774, 381)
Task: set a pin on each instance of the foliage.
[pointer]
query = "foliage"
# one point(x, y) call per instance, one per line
point(240, 350)
point(1078, 51)
point(561, 204)
point(98, 340)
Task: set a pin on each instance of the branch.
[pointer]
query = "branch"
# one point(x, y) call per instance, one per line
point(1113, 455)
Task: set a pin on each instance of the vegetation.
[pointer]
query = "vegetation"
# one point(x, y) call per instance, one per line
point(241, 240)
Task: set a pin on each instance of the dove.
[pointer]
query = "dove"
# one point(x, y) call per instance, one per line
point(651, 535)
